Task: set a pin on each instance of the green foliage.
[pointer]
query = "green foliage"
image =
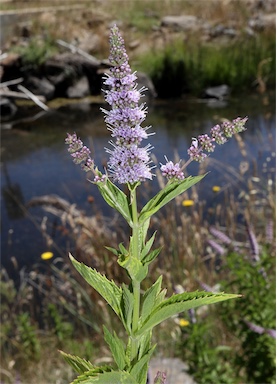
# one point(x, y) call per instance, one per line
point(251, 358)
point(190, 67)
point(256, 281)
point(170, 191)
point(37, 51)
point(179, 303)
point(60, 327)
point(27, 337)
point(208, 362)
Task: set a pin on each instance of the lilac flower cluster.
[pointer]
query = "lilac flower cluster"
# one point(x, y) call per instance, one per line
point(81, 155)
point(172, 171)
point(219, 135)
point(128, 162)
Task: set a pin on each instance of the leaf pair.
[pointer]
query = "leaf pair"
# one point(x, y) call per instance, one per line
point(119, 201)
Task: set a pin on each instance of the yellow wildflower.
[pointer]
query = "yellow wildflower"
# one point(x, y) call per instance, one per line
point(216, 188)
point(183, 323)
point(187, 203)
point(46, 255)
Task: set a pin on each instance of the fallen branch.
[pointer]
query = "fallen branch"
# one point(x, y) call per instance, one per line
point(18, 95)
point(75, 49)
point(33, 97)
point(11, 82)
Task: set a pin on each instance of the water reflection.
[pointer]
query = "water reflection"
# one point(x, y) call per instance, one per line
point(35, 161)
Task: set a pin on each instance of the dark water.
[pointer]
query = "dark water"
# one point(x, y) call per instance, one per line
point(35, 161)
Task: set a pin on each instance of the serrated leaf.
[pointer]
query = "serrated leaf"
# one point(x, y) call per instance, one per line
point(106, 288)
point(112, 377)
point(179, 303)
point(171, 190)
point(116, 199)
point(149, 299)
point(116, 346)
point(77, 363)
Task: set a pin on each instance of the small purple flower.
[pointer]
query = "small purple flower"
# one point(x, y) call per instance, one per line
point(195, 152)
point(218, 135)
point(172, 171)
point(206, 143)
point(239, 124)
point(228, 128)
point(128, 162)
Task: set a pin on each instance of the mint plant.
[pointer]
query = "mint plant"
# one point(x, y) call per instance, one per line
point(130, 164)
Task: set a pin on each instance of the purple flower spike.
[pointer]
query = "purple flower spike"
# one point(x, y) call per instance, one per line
point(79, 152)
point(128, 162)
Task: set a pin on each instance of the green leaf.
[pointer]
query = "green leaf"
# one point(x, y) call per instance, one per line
point(77, 363)
point(112, 377)
point(127, 307)
point(136, 270)
point(149, 299)
point(151, 256)
point(106, 288)
point(179, 303)
point(139, 370)
point(116, 199)
point(116, 346)
point(146, 248)
point(171, 190)
point(144, 344)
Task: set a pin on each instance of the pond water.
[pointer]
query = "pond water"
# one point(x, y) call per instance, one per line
point(35, 161)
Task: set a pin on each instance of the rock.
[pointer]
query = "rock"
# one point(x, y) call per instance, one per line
point(40, 86)
point(175, 370)
point(7, 108)
point(262, 22)
point(79, 89)
point(221, 30)
point(219, 92)
point(182, 22)
point(62, 69)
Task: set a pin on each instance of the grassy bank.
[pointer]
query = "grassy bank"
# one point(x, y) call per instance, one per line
point(188, 67)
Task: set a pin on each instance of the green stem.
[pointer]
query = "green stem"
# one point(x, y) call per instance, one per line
point(135, 283)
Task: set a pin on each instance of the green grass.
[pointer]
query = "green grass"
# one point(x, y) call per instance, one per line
point(191, 67)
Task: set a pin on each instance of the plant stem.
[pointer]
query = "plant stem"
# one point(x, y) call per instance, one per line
point(135, 284)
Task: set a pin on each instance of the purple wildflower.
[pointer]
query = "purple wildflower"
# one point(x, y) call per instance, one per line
point(160, 378)
point(128, 162)
point(81, 155)
point(218, 248)
point(219, 134)
point(172, 171)
point(79, 152)
point(239, 124)
point(220, 235)
point(196, 152)
point(206, 143)
point(260, 330)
